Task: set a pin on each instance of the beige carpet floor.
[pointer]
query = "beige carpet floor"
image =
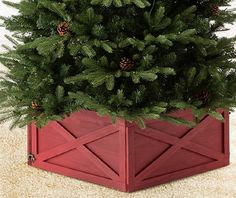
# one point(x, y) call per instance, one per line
point(18, 180)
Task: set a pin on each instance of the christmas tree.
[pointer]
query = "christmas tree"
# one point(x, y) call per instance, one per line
point(131, 59)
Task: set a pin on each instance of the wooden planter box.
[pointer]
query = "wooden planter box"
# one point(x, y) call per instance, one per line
point(124, 157)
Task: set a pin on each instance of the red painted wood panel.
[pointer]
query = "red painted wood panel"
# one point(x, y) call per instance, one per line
point(122, 156)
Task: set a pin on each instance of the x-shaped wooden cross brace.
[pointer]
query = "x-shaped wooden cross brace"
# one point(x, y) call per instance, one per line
point(79, 144)
point(177, 144)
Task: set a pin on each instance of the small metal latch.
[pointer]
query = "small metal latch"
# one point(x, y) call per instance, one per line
point(31, 157)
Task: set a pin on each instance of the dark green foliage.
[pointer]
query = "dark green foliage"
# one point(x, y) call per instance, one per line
point(173, 44)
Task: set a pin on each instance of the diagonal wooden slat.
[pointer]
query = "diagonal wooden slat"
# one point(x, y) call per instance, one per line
point(91, 156)
point(99, 163)
point(172, 150)
point(71, 172)
point(62, 131)
point(169, 139)
point(175, 175)
point(197, 148)
point(158, 135)
point(72, 144)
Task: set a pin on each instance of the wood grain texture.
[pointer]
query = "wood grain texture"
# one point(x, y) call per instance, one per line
point(125, 157)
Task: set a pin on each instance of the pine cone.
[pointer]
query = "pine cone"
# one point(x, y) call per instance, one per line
point(63, 28)
point(215, 9)
point(34, 105)
point(126, 63)
point(203, 96)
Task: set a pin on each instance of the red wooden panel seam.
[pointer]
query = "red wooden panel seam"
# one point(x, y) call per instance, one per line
point(130, 157)
point(122, 154)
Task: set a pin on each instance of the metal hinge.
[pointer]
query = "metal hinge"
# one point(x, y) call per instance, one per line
point(31, 157)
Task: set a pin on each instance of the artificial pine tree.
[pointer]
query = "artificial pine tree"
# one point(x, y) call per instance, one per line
point(70, 55)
